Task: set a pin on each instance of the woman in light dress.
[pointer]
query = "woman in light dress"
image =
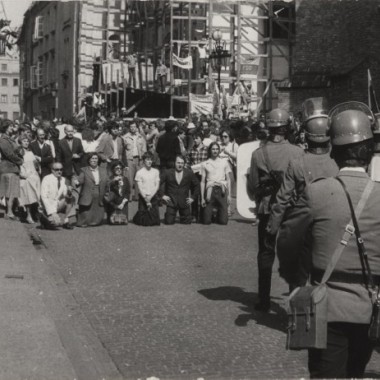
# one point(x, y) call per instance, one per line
point(30, 184)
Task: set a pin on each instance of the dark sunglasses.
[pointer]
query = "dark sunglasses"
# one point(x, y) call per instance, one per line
point(58, 170)
point(225, 136)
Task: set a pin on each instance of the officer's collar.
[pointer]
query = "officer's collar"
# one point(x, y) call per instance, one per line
point(319, 150)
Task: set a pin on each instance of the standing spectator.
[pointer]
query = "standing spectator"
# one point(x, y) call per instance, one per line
point(207, 140)
point(176, 185)
point(161, 73)
point(69, 154)
point(228, 149)
point(30, 185)
point(135, 147)
point(117, 195)
point(198, 154)
point(9, 168)
point(148, 182)
point(93, 180)
point(215, 186)
point(110, 147)
point(56, 198)
point(168, 146)
point(42, 152)
point(89, 144)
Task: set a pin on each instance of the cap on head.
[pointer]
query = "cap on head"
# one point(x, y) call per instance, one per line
point(278, 118)
point(350, 123)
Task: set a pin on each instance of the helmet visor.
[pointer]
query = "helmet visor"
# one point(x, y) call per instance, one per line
point(314, 107)
point(349, 106)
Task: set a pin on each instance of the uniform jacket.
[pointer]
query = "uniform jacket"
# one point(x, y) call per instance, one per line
point(128, 144)
point(10, 162)
point(280, 154)
point(301, 171)
point(50, 194)
point(65, 156)
point(315, 227)
point(105, 148)
point(87, 180)
point(45, 154)
point(179, 192)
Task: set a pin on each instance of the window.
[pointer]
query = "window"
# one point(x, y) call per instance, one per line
point(15, 82)
point(33, 77)
point(15, 99)
point(38, 28)
point(4, 67)
point(16, 115)
point(3, 98)
point(4, 114)
point(4, 82)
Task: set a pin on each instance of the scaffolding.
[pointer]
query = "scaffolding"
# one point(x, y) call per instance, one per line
point(259, 34)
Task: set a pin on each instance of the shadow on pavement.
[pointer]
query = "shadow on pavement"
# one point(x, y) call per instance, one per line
point(276, 319)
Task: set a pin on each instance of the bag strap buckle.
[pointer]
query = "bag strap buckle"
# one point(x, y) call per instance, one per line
point(348, 232)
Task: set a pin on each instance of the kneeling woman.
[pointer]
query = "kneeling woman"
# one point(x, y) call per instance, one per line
point(93, 179)
point(215, 186)
point(117, 195)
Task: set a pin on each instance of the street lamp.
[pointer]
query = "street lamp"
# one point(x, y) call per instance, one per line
point(219, 56)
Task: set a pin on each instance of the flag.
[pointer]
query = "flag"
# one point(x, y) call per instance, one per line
point(372, 101)
point(81, 115)
point(183, 63)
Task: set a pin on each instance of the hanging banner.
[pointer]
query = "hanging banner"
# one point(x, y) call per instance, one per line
point(183, 63)
point(202, 104)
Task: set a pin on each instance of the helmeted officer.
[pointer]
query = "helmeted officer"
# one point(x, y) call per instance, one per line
point(315, 163)
point(318, 224)
point(268, 164)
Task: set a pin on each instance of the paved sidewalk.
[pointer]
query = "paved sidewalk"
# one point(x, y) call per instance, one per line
point(43, 333)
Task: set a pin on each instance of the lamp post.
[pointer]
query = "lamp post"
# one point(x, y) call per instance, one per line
point(219, 56)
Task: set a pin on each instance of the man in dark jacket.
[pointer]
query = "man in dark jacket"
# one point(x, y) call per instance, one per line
point(168, 146)
point(43, 152)
point(70, 153)
point(179, 188)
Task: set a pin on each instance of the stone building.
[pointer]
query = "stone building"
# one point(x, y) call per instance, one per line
point(9, 84)
point(336, 43)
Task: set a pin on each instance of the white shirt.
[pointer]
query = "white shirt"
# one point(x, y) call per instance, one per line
point(215, 170)
point(148, 181)
point(95, 173)
point(50, 194)
point(115, 148)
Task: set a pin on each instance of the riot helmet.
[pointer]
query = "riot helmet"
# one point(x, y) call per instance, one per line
point(278, 118)
point(350, 123)
point(315, 119)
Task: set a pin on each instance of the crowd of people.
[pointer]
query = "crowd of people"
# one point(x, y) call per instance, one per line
point(66, 173)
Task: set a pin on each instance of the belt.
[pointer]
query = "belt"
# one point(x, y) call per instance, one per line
point(348, 278)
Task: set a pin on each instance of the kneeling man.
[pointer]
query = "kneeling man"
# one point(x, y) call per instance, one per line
point(56, 198)
point(179, 188)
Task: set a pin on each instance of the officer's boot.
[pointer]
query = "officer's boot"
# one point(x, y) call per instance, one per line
point(265, 279)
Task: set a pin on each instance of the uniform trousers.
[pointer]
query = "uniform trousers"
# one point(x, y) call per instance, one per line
point(184, 215)
point(265, 260)
point(218, 200)
point(347, 354)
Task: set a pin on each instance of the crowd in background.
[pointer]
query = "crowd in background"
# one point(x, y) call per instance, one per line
point(67, 172)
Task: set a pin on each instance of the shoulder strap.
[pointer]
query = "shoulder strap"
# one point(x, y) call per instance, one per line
point(349, 230)
point(359, 240)
point(266, 157)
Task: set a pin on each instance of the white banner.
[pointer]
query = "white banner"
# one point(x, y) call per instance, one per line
point(183, 63)
point(202, 104)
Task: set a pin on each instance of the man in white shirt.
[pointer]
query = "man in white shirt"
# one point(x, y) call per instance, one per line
point(56, 198)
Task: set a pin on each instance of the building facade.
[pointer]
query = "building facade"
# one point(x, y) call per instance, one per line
point(9, 85)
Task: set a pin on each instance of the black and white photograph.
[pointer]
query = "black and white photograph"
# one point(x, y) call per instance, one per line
point(189, 189)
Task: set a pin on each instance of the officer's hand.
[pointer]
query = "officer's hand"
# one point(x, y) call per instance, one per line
point(203, 203)
point(189, 201)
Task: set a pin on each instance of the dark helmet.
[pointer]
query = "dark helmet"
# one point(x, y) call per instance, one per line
point(350, 123)
point(315, 119)
point(316, 129)
point(278, 118)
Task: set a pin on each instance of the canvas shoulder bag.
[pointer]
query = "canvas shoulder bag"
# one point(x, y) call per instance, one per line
point(307, 305)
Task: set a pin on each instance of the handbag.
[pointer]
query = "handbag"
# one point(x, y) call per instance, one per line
point(374, 328)
point(307, 305)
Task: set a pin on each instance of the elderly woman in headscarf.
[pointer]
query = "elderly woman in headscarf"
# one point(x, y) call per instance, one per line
point(10, 164)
